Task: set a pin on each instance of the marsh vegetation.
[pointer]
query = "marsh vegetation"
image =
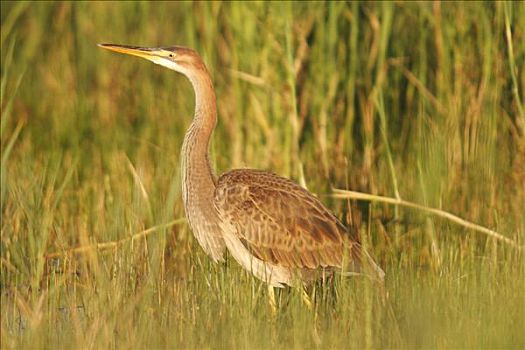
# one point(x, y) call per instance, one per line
point(421, 101)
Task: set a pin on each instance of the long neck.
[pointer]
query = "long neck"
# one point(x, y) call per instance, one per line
point(198, 178)
point(196, 141)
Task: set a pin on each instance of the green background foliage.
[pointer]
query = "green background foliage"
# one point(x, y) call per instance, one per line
point(418, 100)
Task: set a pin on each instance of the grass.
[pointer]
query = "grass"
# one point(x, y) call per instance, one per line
point(418, 100)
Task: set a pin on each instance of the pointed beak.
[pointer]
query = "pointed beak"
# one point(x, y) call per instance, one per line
point(145, 52)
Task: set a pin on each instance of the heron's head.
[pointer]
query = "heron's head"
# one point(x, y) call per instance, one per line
point(177, 58)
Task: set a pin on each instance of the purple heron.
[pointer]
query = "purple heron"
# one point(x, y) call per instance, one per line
point(272, 227)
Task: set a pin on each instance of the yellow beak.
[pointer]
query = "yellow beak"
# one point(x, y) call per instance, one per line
point(144, 52)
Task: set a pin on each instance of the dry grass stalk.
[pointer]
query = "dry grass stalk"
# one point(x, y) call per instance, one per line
point(345, 194)
point(114, 244)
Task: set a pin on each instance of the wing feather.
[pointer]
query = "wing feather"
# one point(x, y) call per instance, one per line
point(282, 223)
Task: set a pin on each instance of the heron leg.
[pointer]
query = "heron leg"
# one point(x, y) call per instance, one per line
point(306, 299)
point(271, 297)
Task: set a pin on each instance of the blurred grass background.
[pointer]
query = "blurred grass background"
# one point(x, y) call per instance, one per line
point(419, 99)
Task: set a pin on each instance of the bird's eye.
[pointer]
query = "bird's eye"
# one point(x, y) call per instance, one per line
point(171, 55)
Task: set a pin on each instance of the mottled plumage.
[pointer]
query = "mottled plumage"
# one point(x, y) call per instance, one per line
point(282, 224)
point(273, 227)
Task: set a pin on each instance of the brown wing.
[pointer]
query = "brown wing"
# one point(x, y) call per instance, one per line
point(282, 223)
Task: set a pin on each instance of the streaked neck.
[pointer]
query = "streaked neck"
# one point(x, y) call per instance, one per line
point(198, 177)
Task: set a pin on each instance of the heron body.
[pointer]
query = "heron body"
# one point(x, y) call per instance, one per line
point(272, 227)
